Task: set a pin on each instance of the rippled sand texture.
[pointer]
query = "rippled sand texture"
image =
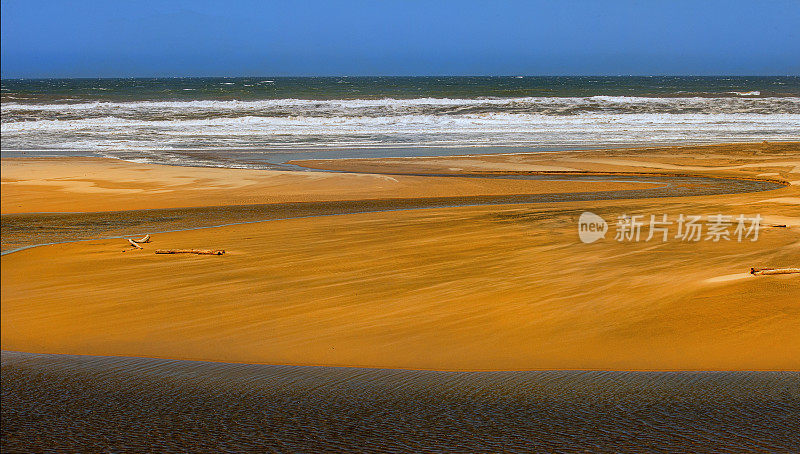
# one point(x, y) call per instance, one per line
point(497, 287)
point(55, 403)
point(469, 288)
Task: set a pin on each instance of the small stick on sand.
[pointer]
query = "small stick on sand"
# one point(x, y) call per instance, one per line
point(133, 243)
point(145, 239)
point(767, 271)
point(191, 251)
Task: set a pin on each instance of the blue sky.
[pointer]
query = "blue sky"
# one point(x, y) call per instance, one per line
point(237, 38)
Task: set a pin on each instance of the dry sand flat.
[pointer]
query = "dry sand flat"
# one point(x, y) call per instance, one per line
point(97, 184)
point(460, 288)
point(440, 289)
point(780, 160)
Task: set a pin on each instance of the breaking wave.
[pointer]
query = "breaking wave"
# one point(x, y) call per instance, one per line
point(286, 123)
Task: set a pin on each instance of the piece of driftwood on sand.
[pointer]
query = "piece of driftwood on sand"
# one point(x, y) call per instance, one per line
point(191, 251)
point(134, 244)
point(768, 271)
point(145, 239)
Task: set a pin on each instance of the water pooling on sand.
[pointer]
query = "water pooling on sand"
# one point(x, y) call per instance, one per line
point(25, 230)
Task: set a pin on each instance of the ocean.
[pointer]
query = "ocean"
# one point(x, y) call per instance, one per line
point(260, 121)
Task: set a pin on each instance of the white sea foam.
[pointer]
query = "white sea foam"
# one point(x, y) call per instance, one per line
point(423, 122)
point(286, 123)
point(712, 104)
point(105, 133)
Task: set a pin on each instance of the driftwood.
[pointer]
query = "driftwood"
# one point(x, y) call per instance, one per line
point(768, 271)
point(145, 239)
point(191, 251)
point(134, 244)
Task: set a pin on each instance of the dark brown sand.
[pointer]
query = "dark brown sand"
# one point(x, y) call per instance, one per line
point(63, 403)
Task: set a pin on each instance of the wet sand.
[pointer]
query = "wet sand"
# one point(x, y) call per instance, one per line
point(23, 230)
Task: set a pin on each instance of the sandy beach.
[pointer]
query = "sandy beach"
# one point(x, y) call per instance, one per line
point(390, 227)
point(495, 287)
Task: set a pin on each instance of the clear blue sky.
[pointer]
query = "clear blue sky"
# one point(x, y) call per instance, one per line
point(241, 37)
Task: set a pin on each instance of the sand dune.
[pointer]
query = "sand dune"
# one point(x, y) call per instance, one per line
point(75, 403)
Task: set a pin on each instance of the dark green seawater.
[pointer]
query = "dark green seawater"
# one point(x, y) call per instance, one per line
point(331, 88)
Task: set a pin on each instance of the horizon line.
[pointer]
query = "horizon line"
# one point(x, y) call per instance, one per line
point(306, 76)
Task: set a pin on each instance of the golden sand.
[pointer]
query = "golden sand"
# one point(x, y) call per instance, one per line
point(97, 184)
point(495, 287)
point(775, 160)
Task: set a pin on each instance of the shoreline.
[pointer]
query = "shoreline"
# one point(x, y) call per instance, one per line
point(312, 154)
point(369, 178)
